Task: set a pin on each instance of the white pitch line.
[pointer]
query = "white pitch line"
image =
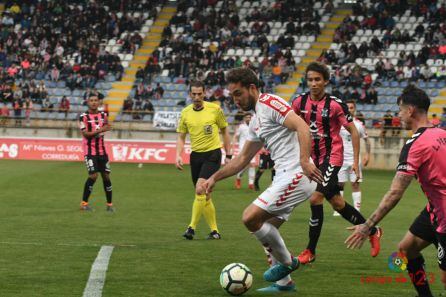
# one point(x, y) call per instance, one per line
point(63, 244)
point(99, 268)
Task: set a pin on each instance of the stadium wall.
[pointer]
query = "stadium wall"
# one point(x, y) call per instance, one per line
point(140, 146)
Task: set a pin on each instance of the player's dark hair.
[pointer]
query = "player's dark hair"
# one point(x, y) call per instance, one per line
point(319, 68)
point(196, 84)
point(351, 101)
point(93, 95)
point(412, 95)
point(244, 76)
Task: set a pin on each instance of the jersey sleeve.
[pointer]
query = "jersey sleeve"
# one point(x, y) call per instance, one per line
point(220, 119)
point(412, 157)
point(252, 136)
point(82, 122)
point(182, 127)
point(277, 107)
point(361, 130)
point(344, 116)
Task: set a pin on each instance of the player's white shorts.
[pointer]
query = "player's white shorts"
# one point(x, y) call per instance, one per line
point(289, 189)
point(346, 173)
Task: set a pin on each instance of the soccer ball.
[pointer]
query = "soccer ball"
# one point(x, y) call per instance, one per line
point(236, 279)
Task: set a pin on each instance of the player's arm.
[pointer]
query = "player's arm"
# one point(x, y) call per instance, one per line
point(366, 158)
point(355, 143)
point(90, 134)
point(181, 140)
point(296, 123)
point(226, 143)
point(399, 185)
point(236, 165)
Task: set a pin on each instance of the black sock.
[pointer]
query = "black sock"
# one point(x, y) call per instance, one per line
point(257, 178)
point(352, 215)
point(88, 188)
point(415, 267)
point(316, 221)
point(108, 190)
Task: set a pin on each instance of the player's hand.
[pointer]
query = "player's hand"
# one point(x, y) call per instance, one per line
point(228, 159)
point(360, 234)
point(106, 128)
point(312, 172)
point(209, 185)
point(179, 163)
point(365, 160)
point(355, 169)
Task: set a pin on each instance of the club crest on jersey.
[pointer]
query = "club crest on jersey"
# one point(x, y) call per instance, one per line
point(313, 127)
point(278, 105)
point(324, 112)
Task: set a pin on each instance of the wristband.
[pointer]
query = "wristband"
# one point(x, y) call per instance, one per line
point(228, 157)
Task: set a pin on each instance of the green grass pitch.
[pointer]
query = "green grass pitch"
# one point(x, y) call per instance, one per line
point(47, 246)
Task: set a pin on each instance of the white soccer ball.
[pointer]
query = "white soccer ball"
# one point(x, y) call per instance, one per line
point(236, 278)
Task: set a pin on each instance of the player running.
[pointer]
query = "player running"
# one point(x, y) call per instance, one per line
point(274, 125)
point(346, 173)
point(325, 115)
point(265, 162)
point(93, 125)
point(423, 158)
point(240, 136)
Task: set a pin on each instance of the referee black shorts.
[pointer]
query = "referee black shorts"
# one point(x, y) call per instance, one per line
point(423, 228)
point(265, 162)
point(203, 165)
point(330, 186)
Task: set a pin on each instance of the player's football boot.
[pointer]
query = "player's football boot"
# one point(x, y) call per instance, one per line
point(238, 184)
point(110, 209)
point(275, 288)
point(251, 186)
point(85, 207)
point(279, 271)
point(214, 235)
point(375, 244)
point(189, 234)
point(256, 187)
point(336, 214)
point(306, 257)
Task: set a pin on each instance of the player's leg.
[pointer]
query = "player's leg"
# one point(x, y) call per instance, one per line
point(210, 166)
point(285, 284)
point(196, 162)
point(92, 168)
point(262, 166)
point(356, 191)
point(104, 169)
point(342, 179)
point(251, 174)
point(238, 179)
point(420, 235)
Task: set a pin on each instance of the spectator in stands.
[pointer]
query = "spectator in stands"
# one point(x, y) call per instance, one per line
point(443, 118)
point(159, 91)
point(18, 106)
point(5, 114)
point(441, 73)
point(396, 125)
point(47, 105)
point(387, 125)
point(64, 105)
point(435, 121)
point(372, 96)
point(128, 105)
point(425, 73)
point(28, 106)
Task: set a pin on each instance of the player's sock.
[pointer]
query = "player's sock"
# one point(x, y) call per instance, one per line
point(270, 238)
point(209, 215)
point(108, 190)
point(357, 200)
point(316, 221)
point(353, 216)
point(272, 261)
point(251, 175)
point(415, 267)
point(197, 210)
point(342, 193)
point(239, 175)
point(88, 188)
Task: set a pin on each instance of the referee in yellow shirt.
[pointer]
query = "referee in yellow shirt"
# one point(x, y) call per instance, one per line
point(202, 120)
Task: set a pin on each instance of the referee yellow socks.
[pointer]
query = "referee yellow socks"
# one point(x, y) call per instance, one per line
point(197, 210)
point(209, 215)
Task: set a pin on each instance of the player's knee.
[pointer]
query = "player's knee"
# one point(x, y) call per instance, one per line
point(251, 222)
point(355, 187)
point(93, 176)
point(408, 249)
point(337, 202)
point(341, 186)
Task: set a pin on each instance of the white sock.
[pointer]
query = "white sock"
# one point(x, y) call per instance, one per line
point(251, 175)
point(342, 193)
point(270, 238)
point(240, 174)
point(272, 261)
point(357, 200)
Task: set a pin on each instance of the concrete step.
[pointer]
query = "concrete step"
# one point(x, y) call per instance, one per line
point(135, 64)
point(321, 45)
point(169, 9)
point(324, 38)
point(141, 58)
point(118, 93)
point(157, 29)
point(285, 89)
point(443, 92)
point(160, 23)
point(292, 82)
point(343, 12)
point(124, 86)
point(332, 25)
point(439, 101)
point(150, 44)
point(328, 31)
point(287, 97)
point(314, 53)
point(338, 18)
point(308, 59)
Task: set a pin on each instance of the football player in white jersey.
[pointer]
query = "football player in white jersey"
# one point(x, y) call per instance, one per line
point(346, 174)
point(275, 125)
point(240, 136)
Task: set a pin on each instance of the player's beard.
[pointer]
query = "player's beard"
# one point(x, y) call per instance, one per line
point(250, 105)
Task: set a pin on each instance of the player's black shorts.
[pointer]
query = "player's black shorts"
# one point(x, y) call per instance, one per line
point(266, 162)
point(330, 186)
point(423, 228)
point(203, 165)
point(97, 164)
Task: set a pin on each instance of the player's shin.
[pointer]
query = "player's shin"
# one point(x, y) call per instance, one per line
point(197, 209)
point(270, 238)
point(415, 268)
point(88, 188)
point(316, 222)
point(108, 190)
